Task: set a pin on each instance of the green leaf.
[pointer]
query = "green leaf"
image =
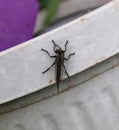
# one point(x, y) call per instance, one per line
point(52, 8)
point(44, 3)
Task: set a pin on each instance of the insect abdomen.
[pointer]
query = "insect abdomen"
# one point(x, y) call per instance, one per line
point(58, 69)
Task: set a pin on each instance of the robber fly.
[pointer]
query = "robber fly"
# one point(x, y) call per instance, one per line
point(59, 61)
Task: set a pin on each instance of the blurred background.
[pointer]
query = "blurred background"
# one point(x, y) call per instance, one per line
point(23, 20)
point(54, 13)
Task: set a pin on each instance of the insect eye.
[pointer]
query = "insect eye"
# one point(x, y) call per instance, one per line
point(57, 48)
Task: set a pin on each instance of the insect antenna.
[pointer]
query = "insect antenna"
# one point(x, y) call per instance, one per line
point(66, 45)
point(55, 43)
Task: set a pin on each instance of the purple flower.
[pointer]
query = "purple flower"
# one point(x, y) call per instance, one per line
point(17, 21)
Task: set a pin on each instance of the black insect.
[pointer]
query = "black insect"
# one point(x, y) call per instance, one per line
point(59, 61)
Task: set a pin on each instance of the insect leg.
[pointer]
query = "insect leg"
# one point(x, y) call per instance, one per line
point(48, 53)
point(69, 56)
point(49, 68)
point(65, 71)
